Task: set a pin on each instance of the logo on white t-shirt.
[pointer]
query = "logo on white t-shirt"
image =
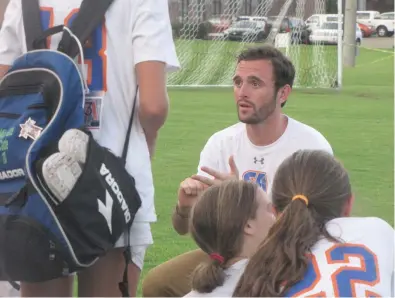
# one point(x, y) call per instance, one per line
point(259, 160)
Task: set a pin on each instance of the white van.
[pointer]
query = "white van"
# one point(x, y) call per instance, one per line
point(366, 17)
point(251, 18)
point(316, 20)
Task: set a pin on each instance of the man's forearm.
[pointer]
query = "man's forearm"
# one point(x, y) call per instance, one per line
point(180, 219)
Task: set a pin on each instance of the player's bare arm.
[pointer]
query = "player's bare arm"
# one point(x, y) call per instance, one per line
point(154, 103)
point(190, 190)
point(3, 70)
point(180, 219)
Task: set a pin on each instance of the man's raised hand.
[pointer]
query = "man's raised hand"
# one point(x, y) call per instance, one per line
point(218, 176)
point(189, 191)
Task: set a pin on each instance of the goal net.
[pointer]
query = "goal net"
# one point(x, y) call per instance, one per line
point(209, 34)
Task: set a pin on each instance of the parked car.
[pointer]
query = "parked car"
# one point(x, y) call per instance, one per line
point(328, 34)
point(219, 24)
point(367, 30)
point(278, 25)
point(246, 31)
point(295, 26)
point(251, 18)
point(316, 20)
point(384, 24)
point(300, 32)
point(367, 17)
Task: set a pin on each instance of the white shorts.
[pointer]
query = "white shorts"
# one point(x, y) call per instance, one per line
point(140, 240)
point(7, 290)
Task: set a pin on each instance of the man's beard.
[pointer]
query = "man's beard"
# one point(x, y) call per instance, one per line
point(261, 114)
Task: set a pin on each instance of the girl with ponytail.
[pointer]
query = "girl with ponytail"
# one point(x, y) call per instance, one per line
point(228, 222)
point(315, 248)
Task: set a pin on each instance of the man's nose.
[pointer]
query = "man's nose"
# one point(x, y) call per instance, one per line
point(243, 91)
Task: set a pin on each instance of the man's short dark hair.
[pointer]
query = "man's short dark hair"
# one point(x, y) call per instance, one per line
point(283, 69)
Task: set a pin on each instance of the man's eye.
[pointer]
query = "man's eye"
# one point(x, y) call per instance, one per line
point(237, 83)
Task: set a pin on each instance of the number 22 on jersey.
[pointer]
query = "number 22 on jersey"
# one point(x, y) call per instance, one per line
point(95, 62)
point(345, 278)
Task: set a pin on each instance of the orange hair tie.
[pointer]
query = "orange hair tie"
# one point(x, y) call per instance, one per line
point(302, 198)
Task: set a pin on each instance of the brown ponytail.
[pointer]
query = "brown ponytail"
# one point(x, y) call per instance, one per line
point(208, 276)
point(282, 259)
point(217, 226)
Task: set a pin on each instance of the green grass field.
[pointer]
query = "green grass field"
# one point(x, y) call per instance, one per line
point(358, 121)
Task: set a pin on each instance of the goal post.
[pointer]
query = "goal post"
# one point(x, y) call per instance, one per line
point(209, 34)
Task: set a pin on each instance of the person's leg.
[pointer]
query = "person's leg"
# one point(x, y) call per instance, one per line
point(133, 279)
point(140, 240)
point(60, 287)
point(135, 267)
point(102, 278)
point(172, 279)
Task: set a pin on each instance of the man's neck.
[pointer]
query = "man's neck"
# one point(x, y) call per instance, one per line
point(269, 131)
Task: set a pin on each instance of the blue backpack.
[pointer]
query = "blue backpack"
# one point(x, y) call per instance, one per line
point(42, 97)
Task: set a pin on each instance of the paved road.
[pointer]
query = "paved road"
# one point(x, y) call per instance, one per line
point(378, 42)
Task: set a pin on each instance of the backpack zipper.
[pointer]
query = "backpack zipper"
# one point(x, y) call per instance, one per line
point(9, 115)
point(37, 106)
point(21, 90)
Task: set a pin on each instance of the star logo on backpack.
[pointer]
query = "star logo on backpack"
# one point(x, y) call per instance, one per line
point(30, 130)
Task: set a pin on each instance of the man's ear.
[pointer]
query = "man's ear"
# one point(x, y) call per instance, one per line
point(283, 93)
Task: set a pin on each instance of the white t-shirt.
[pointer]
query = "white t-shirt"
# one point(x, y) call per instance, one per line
point(135, 31)
point(362, 267)
point(233, 274)
point(258, 163)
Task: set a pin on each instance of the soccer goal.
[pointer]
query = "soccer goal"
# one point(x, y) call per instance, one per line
point(210, 33)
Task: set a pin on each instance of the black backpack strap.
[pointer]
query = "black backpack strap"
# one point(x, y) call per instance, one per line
point(32, 24)
point(89, 17)
point(124, 285)
point(126, 144)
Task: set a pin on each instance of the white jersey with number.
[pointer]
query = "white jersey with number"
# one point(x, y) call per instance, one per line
point(258, 163)
point(362, 266)
point(133, 32)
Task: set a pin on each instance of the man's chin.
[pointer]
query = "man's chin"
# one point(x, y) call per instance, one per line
point(248, 120)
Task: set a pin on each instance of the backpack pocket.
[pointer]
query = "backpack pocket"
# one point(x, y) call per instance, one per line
point(101, 206)
point(23, 115)
point(28, 252)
